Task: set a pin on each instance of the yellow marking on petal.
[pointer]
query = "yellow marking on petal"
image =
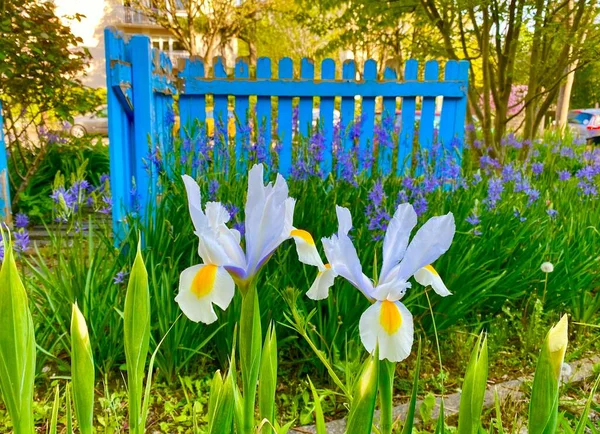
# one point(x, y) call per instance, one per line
point(431, 269)
point(204, 281)
point(328, 266)
point(304, 235)
point(390, 318)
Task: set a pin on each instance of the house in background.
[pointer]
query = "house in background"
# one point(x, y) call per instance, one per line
point(100, 14)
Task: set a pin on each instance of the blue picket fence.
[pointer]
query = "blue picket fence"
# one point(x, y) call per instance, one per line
point(141, 86)
point(5, 205)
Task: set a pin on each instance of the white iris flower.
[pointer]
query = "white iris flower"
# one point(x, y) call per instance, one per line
point(386, 323)
point(269, 215)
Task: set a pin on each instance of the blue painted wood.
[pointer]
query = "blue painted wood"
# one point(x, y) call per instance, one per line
point(5, 204)
point(263, 108)
point(388, 120)
point(220, 115)
point(305, 106)
point(448, 115)
point(367, 116)
point(284, 119)
point(326, 117)
point(461, 110)
point(129, 115)
point(119, 134)
point(426, 127)
point(407, 131)
point(241, 115)
point(345, 88)
point(145, 122)
point(347, 105)
point(192, 108)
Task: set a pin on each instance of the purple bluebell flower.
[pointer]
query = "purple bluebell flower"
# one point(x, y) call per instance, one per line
point(532, 196)
point(21, 221)
point(120, 277)
point(170, 118)
point(420, 205)
point(21, 241)
point(518, 215)
point(567, 152)
point(107, 205)
point(408, 183)
point(537, 168)
point(564, 175)
point(521, 183)
point(232, 210)
point(376, 212)
point(476, 178)
point(477, 232)
point(240, 227)
point(495, 189)
point(487, 162)
point(508, 173)
point(213, 189)
point(552, 213)
point(587, 188)
point(402, 197)
point(473, 219)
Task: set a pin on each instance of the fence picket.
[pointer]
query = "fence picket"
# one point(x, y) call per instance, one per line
point(367, 119)
point(407, 132)
point(427, 124)
point(5, 205)
point(263, 110)
point(385, 153)
point(220, 113)
point(242, 136)
point(327, 118)
point(347, 106)
point(305, 106)
point(284, 119)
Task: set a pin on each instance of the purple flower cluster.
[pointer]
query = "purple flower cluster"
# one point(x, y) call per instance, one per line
point(495, 189)
point(376, 213)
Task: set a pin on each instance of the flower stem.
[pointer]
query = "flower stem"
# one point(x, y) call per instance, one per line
point(250, 355)
point(437, 342)
point(387, 370)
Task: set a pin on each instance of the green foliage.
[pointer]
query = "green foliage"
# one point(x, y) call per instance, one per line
point(82, 372)
point(473, 389)
point(364, 397)
point(17, 345)
point(267, 380)
point(136, 316)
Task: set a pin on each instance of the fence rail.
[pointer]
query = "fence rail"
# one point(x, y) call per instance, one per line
point(141, 86)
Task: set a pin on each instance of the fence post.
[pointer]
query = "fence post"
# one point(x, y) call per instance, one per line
point(144, 122)
point(118, 85)
point(5, 206)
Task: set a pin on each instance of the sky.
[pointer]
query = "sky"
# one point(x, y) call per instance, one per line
point(85, 29)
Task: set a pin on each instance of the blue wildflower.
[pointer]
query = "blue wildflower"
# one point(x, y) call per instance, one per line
point(120, 277)
point(21, 221)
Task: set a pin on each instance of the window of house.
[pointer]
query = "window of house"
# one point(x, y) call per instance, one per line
point(177, 46)
point(156, 43)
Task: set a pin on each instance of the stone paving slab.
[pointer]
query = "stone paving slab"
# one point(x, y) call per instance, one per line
point(509, 390)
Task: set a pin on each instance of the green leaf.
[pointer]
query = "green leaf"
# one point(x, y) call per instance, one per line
point(473, 390)
point(268, 378)
point(387, 370)
point(55, 405)
point(583, 420)
point(82, 371)
point(499, 426)
point(410, 414)
point(364, 398)
point(250, 354)
point(137, 338)
point(441, 422)
point(222, 418)
point(543, 406)
point(319, 416)
point(17, 345)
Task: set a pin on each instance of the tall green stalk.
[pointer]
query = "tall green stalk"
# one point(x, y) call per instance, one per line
point(17, 345)
point(250, 354)
point(387, 370)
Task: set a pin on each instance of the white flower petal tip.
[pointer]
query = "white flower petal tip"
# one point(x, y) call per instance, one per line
point(306, 248)
point(547, 267)
point(320, 287)
point(389, 325)
point(200, 287)
point(427, 276)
